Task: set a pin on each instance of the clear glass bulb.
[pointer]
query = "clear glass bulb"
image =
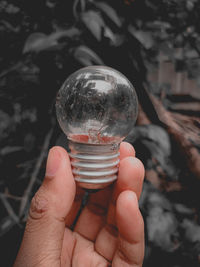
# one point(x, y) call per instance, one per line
point(96, 108)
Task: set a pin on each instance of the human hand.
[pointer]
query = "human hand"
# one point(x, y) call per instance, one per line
point(109, 230)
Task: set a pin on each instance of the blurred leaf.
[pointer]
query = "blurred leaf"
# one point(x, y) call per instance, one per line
point(9, 27)
point(189, 5)
point(81, 4)
point(192, 230)
point(94, 22)
point(154, 135)
point(161, 228)
point(156, 199)
point(191, 237)
point(157, 142)
point(161, 222)
point(87, 56)
point(9, 8)
point(160, 29)
point(110, 12)
point(191, 54)
point(144, 37)
point(97, 27)
point(84, 61)
point(157, 24)
point(38, 41)
point(51, 3)
point(183, 210)
point(114, 40)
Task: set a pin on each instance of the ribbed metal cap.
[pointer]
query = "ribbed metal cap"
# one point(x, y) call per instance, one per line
point(94, 166)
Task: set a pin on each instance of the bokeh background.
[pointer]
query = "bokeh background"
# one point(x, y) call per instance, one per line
point(156, 44)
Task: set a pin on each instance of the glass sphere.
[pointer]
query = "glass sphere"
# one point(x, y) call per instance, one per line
point(97, 105)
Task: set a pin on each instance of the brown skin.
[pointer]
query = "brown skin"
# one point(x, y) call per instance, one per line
point(109, 231)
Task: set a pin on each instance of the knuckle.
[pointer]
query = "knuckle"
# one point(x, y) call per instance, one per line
point(129, 254)
point(122, 255)
point(39, 206)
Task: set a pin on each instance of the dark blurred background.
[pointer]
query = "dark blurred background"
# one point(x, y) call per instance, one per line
point(156, 44)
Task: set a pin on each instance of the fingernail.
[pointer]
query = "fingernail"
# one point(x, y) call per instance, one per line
point(53, 162)
point(132, 160)
point(132, 196)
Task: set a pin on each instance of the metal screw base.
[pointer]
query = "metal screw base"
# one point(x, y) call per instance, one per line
point(94, 166)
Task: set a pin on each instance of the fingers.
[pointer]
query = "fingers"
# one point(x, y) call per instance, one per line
point(49, 208)
point(126, 150)
point(130, 177)
point(94, 214)
point(130, 247)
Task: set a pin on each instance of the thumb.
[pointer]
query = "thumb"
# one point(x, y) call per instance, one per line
point(43, 237)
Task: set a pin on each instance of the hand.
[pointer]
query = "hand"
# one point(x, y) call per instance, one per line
point(109, 230)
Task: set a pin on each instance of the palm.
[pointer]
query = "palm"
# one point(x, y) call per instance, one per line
point(85, 243)
point(81, 252)
point(106, 233)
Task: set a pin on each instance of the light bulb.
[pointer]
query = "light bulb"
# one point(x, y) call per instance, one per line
point(96, 108)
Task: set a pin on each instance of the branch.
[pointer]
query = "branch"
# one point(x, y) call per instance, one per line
point(8, 195)
point(184, 132)
point(11, 69)
point(9, 208)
